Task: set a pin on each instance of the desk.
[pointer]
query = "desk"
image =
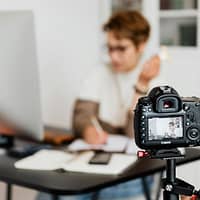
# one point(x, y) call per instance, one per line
point(66, 183)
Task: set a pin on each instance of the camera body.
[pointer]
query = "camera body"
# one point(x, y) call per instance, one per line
point(164, 120)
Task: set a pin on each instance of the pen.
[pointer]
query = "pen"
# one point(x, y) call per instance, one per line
point(96, 124)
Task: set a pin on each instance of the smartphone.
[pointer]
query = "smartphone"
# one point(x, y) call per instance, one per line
point(101, 158)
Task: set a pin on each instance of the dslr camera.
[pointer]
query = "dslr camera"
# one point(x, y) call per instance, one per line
point(164, 120)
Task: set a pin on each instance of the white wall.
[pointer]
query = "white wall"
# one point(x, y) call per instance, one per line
point(67, 33)
point(183, 71)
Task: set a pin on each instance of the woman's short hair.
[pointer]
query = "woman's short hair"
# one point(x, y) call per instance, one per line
point(129, 24)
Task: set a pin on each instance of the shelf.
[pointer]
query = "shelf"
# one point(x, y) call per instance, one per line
point(182, 31)
point(178, 13)
point(178, 4)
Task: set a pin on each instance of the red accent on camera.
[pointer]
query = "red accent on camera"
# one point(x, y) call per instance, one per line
point(142, 154)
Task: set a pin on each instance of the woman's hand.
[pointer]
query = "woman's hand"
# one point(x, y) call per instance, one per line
point(92, 136)
point(151, 69)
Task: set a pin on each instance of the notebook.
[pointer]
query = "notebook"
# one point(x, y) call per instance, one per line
point(54, 159)
point(115, 143)
point(44, 160)
point(119, 163)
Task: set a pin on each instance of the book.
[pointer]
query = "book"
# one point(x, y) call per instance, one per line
point(55, 160)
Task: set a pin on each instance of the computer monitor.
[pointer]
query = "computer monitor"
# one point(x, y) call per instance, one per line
point(19, 77)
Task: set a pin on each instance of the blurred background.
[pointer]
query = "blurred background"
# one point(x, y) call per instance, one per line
point(70, 42)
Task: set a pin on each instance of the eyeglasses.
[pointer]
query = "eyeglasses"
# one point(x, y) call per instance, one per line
point(118, 48)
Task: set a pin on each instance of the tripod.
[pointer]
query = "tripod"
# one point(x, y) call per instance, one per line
point(173, 187)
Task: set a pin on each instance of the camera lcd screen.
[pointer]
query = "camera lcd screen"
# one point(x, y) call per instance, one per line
point(165, 128)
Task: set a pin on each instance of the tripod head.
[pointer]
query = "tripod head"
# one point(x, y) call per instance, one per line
point(166, 154)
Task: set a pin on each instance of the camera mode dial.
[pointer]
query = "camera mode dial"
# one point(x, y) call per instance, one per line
point(193, 133)
point(145, 101)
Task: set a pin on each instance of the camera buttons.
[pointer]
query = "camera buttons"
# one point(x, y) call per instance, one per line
point(186, 107)
point(142, 129)
point(187, 123)
point(143, 135)
point(190, 116)
point(142, 123)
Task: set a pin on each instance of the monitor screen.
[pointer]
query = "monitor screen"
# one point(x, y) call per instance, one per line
point(19, 77)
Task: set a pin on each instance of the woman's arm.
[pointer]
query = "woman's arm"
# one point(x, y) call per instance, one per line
point(150, 70)
point(84, 111)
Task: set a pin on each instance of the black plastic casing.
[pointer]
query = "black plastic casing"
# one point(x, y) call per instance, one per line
point(188, 109)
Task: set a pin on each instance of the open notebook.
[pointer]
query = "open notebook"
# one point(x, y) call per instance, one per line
point(54, 159)
point(115, 143)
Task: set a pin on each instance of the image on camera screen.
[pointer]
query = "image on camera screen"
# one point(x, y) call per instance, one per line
point(163, 128)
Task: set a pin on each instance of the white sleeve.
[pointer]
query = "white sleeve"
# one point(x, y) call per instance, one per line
point(91, 87)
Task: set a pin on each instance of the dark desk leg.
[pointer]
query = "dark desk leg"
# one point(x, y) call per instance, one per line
point(146, 189)
point(55, 197)
point(9, 192)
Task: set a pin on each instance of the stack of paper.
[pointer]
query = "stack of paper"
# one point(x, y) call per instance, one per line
point(131, 147)
point(52, 160)
point(115, 143)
